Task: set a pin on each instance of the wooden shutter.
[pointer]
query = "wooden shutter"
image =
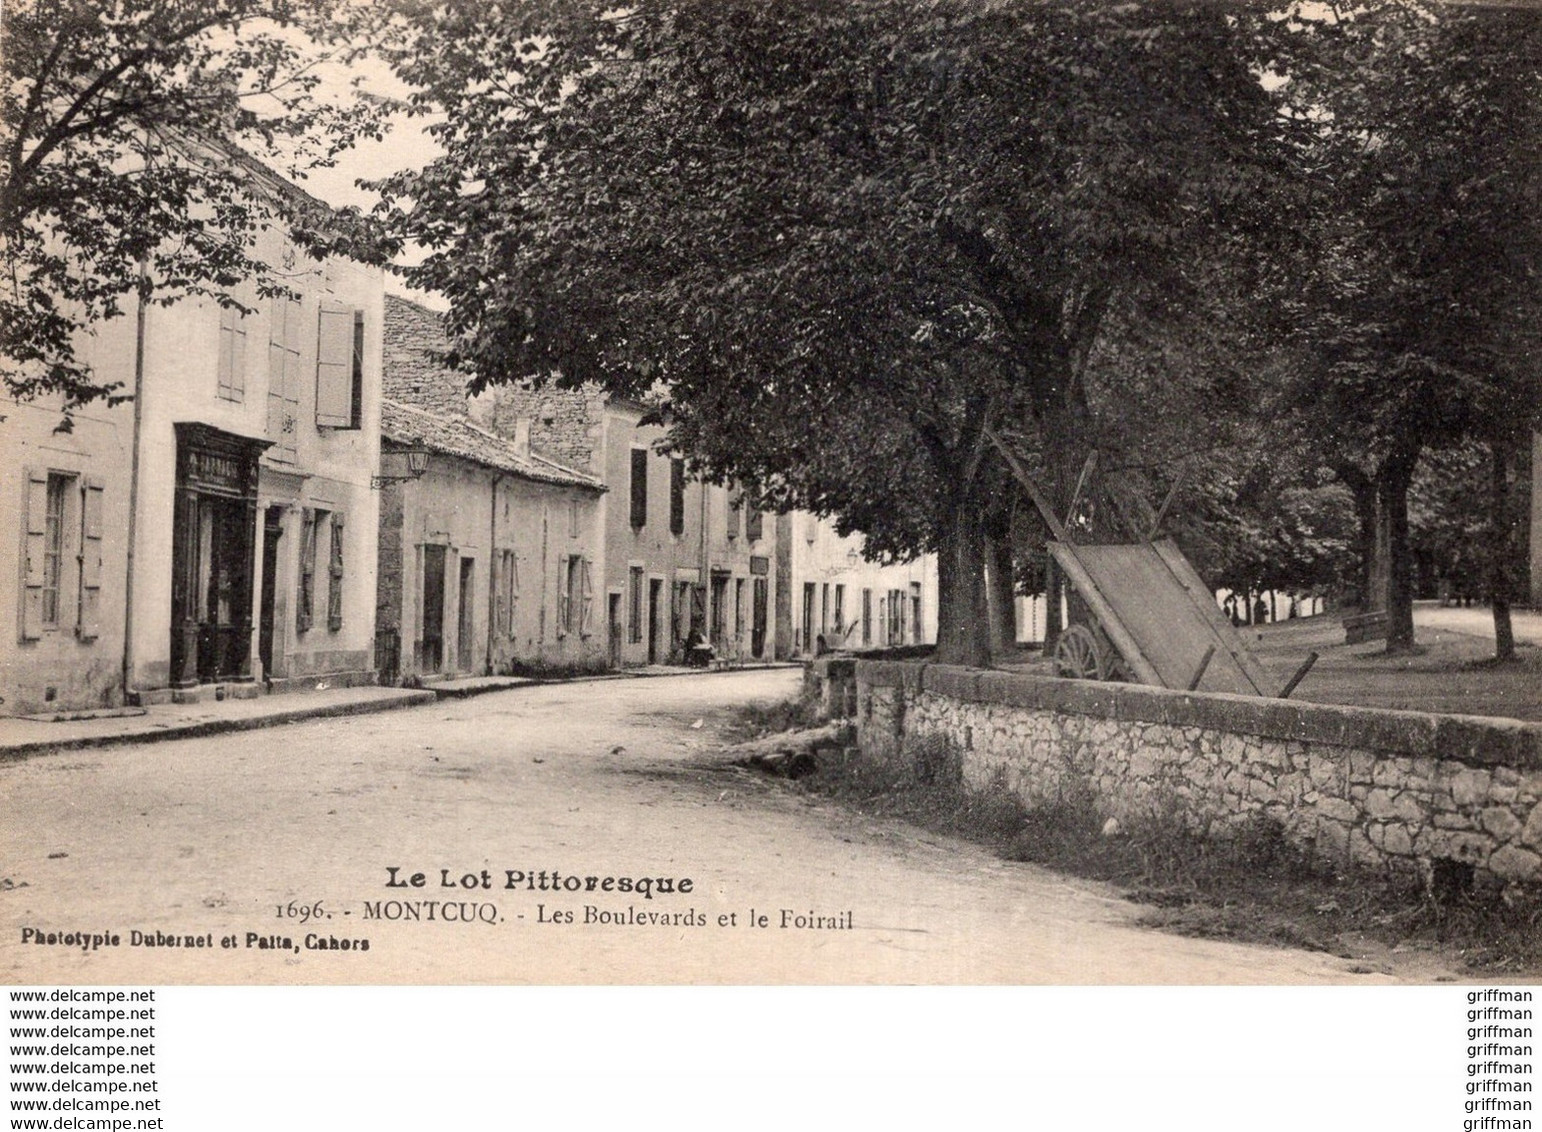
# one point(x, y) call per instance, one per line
point(232, 359)
point(334, 370)
point(586, 591)
point(752, 525)
point(676, 496)
point(33, 551)
point(335, 584)
point(88, 627)
point(500, 601)
point(564, 595)
point(639, 487)
point(306, 596)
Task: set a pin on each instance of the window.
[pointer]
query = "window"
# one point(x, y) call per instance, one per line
point(735, 504)
point(232, 360)
point(335, 581)
point(340, 369)
point(753, 524)
point(565, 593)
point(62, 578)
point(915, 612)
point(634, 606)
point(53, 547)
point(572, 518)
point(639, 488)
point(738, 608)
point(867, 617)
point(575, 612)
point(506, 589)
point(676, 496)
point(840, 606)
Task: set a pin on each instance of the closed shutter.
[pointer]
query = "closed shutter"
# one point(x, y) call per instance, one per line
point(676, 496)
point(753, 525)
point(564, 596)
point(500, 600)
point(335, 587)
point(232, 359)
point(91, 561)
point(33, 551)
point(639, 486)
point(306, 595)
point(586, 590)
point(334, 370)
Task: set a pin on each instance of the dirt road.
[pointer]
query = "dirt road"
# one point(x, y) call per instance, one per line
point(244, 858)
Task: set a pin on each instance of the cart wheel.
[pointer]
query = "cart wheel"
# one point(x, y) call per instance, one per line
point(1077, 654)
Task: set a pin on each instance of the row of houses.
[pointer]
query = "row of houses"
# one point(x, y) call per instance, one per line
point(297, 494)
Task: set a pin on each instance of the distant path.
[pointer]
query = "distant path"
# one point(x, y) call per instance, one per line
point(1478, 621)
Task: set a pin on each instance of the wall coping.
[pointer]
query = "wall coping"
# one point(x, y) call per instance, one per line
point(1479, 740)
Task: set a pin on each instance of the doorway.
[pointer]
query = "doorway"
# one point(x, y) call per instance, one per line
point(431, 645)
point(272, 533)
point(465, 624)
point(655, 594)
point(613, 630)
point(213, 557)
point(758, 625)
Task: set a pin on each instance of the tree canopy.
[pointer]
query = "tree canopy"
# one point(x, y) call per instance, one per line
point(841, 240)
point(125, 129)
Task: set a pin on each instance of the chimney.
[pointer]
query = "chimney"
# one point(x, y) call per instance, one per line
point(522, 435)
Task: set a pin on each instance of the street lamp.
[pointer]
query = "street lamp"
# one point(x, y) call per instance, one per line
point(417, 464)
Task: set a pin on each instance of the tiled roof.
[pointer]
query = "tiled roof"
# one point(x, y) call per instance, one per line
point(457, 436)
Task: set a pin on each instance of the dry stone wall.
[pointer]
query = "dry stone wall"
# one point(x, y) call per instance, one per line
point(1402, 792)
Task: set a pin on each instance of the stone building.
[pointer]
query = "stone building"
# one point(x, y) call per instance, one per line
point(64, 500)
point(682, 558)
point(217, 535)
point(835, 597)
point(489, 558)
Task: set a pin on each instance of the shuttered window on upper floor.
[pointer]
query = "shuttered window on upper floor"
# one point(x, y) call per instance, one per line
point(340, 368)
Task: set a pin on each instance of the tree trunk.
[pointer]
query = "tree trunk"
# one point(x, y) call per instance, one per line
point(1368, 594)
point(963, 614)
point(1499, 551)
point(1392, 483)
point(1053, 623)
point(1001, 596)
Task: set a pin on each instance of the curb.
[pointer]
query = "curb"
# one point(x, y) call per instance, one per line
point(408, 698)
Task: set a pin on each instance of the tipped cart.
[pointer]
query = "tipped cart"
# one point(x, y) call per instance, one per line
point(1140, 612)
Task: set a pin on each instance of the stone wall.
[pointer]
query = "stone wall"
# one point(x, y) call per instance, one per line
point(1394, 791)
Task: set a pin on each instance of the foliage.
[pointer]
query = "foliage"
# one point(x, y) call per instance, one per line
point(125, 129)
point(840, 241)
point(1417, 323)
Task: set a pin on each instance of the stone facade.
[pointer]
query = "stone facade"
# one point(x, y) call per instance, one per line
point(1393, 791)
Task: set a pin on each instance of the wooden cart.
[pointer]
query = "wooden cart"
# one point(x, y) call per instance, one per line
point(1140, 612)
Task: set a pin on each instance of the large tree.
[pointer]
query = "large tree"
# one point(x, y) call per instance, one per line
point(842, 242)
point(1419, 318)
point(125, 130)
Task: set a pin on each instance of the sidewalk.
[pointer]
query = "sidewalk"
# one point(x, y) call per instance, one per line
point(22, 737)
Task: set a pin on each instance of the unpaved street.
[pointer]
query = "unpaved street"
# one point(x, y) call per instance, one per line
point(212, 840)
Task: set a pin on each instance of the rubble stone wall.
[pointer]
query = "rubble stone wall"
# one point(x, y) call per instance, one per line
point(1395, 791)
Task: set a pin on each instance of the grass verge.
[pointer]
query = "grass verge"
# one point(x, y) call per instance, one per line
point(1250, 885)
